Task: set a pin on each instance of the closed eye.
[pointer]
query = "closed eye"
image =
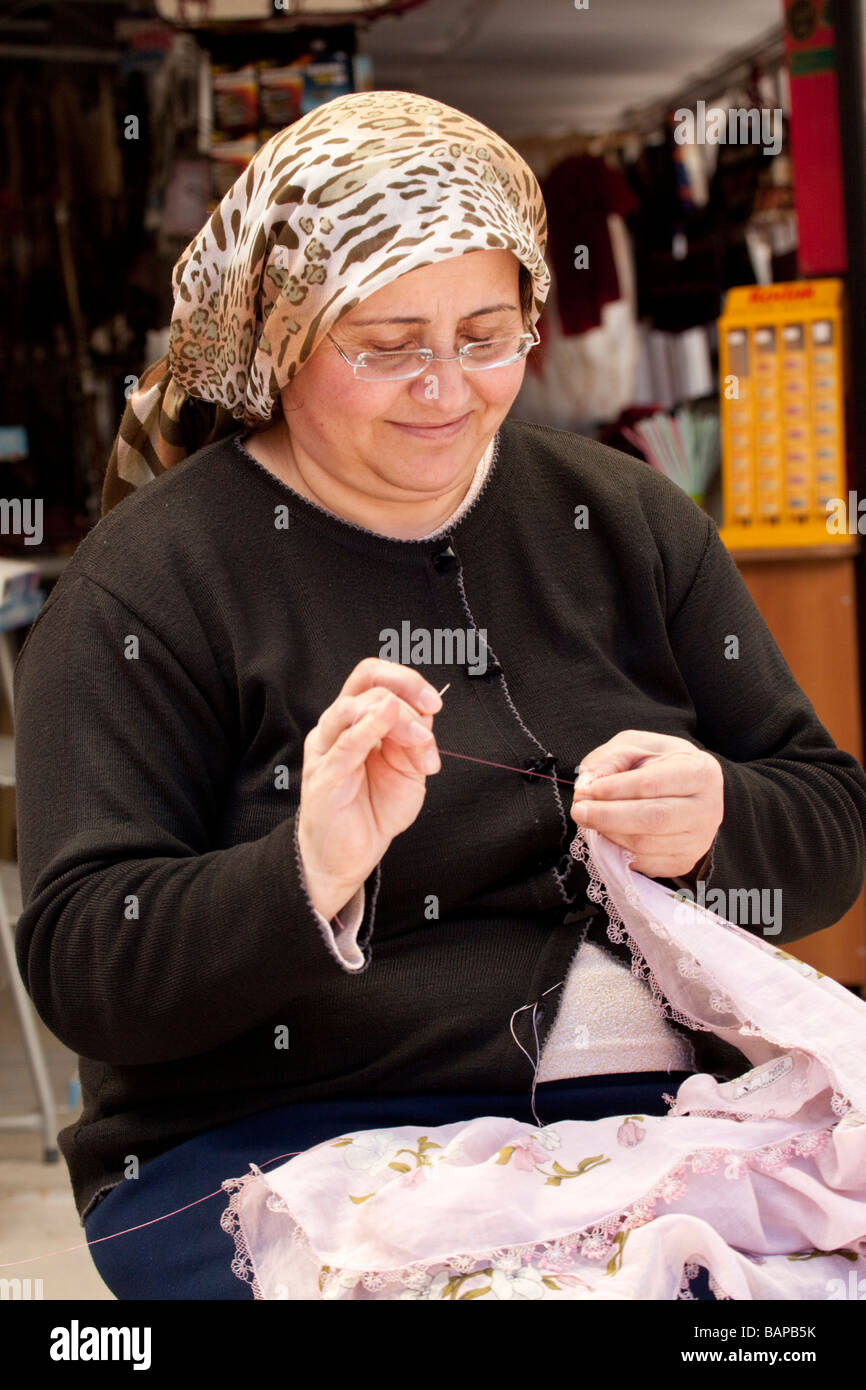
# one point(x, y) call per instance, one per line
point(413, 347)
point(399, 347)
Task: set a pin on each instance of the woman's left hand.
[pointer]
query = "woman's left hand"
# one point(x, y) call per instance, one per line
point(656, 795)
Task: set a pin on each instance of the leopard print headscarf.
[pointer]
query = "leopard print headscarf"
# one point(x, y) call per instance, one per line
point(330, 209)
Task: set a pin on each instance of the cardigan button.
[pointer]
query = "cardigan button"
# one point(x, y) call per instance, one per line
point(540, 765)
point(543, 765)
point(492, 670)
point(445, 560)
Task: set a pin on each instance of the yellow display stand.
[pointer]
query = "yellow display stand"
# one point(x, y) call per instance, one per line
point(782, 355)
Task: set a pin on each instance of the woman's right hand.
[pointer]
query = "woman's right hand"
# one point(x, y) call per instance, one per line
point(363, 778)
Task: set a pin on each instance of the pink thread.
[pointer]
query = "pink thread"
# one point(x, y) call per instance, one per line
point(569, 781)
point(85, 1245)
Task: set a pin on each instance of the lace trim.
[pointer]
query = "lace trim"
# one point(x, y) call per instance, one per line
point(230, 1221)
point(691, 1270)
point(602, 1240)
point(618, 932)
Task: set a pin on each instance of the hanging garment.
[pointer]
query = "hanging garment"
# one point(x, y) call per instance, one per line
point(573, 381)
point(580, 193)
point(760, 1179)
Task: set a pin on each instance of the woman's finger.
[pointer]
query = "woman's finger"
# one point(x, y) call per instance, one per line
point(405, 681)
point(668, 775)
point(628, 750)
point(408, 725)
point(354, 744)
point(662, 817)
point(375, 730)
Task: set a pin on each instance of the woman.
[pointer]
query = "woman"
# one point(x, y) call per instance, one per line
point(257, 903)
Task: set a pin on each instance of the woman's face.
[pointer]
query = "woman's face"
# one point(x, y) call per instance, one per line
point(415, 438)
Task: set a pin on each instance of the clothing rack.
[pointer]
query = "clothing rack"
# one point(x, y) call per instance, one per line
point(637, 124)
point(768, 54)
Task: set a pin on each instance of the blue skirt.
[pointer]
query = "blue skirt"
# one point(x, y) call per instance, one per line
point(188, 1256)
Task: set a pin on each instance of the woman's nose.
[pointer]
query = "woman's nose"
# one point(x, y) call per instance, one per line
point(444, 382)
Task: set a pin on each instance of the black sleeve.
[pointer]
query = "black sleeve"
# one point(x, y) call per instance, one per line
point(139, 942)
point(795, 804)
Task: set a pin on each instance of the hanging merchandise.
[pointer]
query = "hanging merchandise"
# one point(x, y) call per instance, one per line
point(236, 99)
point(281, 91)
point(684, 447)
point(580, 194)
point(255, 99)
point(673, 367)
point(576, 381)
point(324, 80)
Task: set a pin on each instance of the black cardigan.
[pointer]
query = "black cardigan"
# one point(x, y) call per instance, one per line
point(196, 636)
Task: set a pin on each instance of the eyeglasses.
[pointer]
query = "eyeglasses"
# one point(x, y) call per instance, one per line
point(474, 357)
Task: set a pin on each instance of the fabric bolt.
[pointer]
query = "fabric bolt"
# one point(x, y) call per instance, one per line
point(761, 1179)
point(163, 695)
point(329, 210)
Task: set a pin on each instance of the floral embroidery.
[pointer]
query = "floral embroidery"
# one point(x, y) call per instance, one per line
point(628, 1133)
point(823, 1254)
point(614, 1264)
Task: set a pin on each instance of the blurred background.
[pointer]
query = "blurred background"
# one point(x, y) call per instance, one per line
point(703, 170)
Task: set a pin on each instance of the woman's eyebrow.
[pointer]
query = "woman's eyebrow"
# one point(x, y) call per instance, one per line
point(491, 309)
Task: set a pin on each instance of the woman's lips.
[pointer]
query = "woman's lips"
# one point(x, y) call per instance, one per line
point(446, 431)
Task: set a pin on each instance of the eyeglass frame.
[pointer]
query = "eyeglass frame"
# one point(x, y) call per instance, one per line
point(429, 356)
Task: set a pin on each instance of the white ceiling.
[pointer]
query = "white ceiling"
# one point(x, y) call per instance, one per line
point(526, 66)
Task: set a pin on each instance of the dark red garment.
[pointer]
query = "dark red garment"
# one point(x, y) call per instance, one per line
point(580, 193)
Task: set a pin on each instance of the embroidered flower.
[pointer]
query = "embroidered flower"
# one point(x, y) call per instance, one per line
point(368, 1152)
point(629, 1133)
point(526, 1154)
point(548, 1138)
point(512, 1279)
